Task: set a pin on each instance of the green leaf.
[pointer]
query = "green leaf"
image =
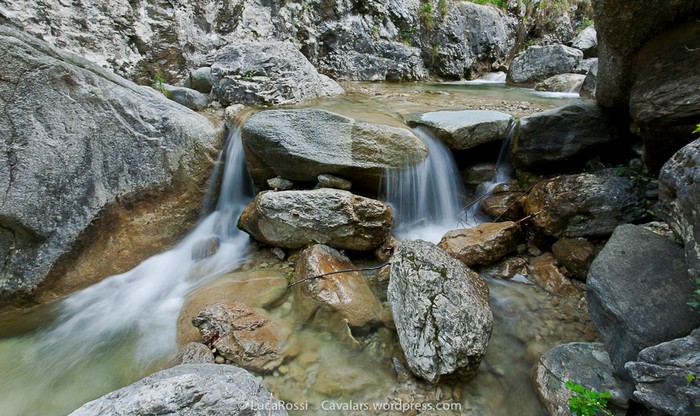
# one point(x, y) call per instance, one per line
point(693, 303)
point(697, 129)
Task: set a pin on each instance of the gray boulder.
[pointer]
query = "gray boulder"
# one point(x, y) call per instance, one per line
point(587, 42)
point(464, 129)
point(561, 83)
point(200, 80)
point(665, 376)
point(538, 63)
point(294, 219)
point(589, 84)
point(679, 194)
point(637, 291)
point(188, 97)
point(587, 204)
point(301, 144)
point(193, 353)
point(79, 145)
point(587, 364)
point(267, 73)
point(565, 136)
point(189, 389)
point(441, 311)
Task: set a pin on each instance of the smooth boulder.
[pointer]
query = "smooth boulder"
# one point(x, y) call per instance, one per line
point(569, 83)
point(538, 63)
point(441, 311)
point(587, 42)
point(466, 128)
point(481, 245)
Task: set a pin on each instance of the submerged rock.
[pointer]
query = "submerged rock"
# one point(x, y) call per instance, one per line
point(294, 219)
point(441, 310)
point(196, 389)
point(575, 254)
point(464, 129)
point(483, 244)
point(538, 63)
point(544, 272)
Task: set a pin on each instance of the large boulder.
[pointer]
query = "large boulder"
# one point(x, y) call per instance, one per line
point(294, 219)
point(666, 376)
point(587, 204)
point(464, 129)
point(441, 311)
point(662, 105)
point(267, 73)
point(570, 83)
point(538, 63)
point(481, 245)
point(566, 136)
point(296, 144)
point(587, 42)
point(211, 389)
point(637, 291)
point(85, 157)
point(679, 194)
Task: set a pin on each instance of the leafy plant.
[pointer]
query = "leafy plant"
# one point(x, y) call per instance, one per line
point(697, 129)
point(691, 378)
point(696, 294)
point(159, 85)
point(501, 4)
point(426, 16)
point(586, 402)
point(442, 7)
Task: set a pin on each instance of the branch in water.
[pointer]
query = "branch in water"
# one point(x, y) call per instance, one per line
point(518, 199)
point(361, 269)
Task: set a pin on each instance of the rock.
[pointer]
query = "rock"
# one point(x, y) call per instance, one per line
point(330, 181)
point(206, 247)
point(661, 104)
point(344, 294)
point(588, 204)
point(279, 184)
point(481, 172)
point(661, 376)
point(464, 129)
point(504, 206)
point(190, 98)
point(584, 363)
point(267, 73)
point(544, 272)
point(294, 144)
point(576, 254)
point(538, 63)
point(508, 268)
point(89, 163)
point(246, 336)
point(679, 194)
point(193, 353)
point(200, 80)
point(622, 28)
point(294, 219)
point(589, 83)
point(561, 83)
point(211, 389)
point(586, 65)
point(385, 251)
point(566, 136)
point(257, 288)
point(483, 244)
point(637, 291)
point(587, 42)
point(441, 310)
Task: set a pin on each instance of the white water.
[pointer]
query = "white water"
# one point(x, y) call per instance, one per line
point(125, 321)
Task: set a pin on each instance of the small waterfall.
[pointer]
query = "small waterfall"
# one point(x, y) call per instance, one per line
point(427, 197)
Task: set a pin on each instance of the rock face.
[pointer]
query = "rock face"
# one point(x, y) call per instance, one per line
point(587, 42)
point(586, 204)
point(294, 219)
point(638, 287)
point(566, 135)
point(483, 244)
point(81, 146)
point(295, 144)
point(210, 389)
point(441, 310)
point(582, 363)
point(661, 372)
point(267, 73)
point(679, 194)
point(538, 63)
point(464, 129)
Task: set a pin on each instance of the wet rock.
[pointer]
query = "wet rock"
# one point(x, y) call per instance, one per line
point(386, 250)
point(561, 83)
point(441, 310)
point(679, 194)
point(295, 144)
point(508, 268)
point(665, 376)
point(206, 247)
point(588, 204)
point(483, 244)
point(211, 389)
point(246, 336)
point(190, 98)
point(538, 63)
point(587, 364)
point(344, 294)
point(343, 380)
point(293, 219)
point(193, 353)
point(638, 287)
point(464, 129)
point(504, 206)
point(258, 288)
point(565, 136)
point(89, 160)
point(544, 272)
point(279, 184)
point(267, 73)
point(331, 181)
point(476, 174)
point(576, 254)
point(200, 80)
point(589, 83)
point(661, 104)
point(587, 42)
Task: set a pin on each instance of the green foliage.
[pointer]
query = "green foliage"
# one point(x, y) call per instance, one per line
point(442, 7)
point(586, 402)
point(691, 378)
point(697, 129)
point(159, 85)
point(501, 4)
point(696, 294)
point(425, 14)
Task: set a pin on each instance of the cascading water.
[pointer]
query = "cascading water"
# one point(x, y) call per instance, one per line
point(127, 320)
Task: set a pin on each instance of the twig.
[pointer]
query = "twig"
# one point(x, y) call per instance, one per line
point(361, 269)
point(528, 217)
point(518, 199)
point(471, 203)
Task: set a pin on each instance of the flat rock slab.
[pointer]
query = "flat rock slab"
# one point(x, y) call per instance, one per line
point(482, 245)
point(464, 129)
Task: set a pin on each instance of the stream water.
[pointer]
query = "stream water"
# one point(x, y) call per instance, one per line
point(123, 328)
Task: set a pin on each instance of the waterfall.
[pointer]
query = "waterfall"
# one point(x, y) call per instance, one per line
point(427, 197)
point(133, 314)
